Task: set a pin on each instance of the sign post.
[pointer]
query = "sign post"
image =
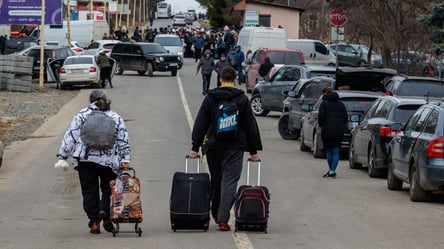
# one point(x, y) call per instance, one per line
point(337, 18)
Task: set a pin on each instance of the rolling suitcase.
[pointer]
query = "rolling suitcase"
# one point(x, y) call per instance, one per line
point(252, 205)
point(190, 200)
point(126, 206)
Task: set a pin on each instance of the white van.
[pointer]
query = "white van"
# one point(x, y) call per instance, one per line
point(315, 51)
point(252, 38)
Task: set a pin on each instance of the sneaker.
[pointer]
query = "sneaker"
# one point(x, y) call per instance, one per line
point(224, 226)
point(332, 175)
point(326, 174)
point(107, 224)
point(95, 227)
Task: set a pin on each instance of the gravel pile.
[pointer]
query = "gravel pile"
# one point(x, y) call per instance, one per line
point(22, 113)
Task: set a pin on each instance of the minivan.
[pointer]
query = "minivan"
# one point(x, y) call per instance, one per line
point(315, 51)
point(253, 38)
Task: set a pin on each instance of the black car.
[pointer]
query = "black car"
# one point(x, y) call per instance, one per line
point(143, 57)
point(50, 53)
point(403, 85)
point(306, 93)
point(371, 138)
point(356, 103)
point(417, 153)
point(268, 94)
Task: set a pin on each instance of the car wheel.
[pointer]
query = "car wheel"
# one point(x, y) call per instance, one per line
point(256, 105)
point(393, 183)
point(119, 68)
point(351, 157)
point(362, 63)
point(415, 191)
point(317, 152)
point(141, 72)
point(302, 145)
point(372, 171)
point(150, 69)
point(284, 129)
point(174, 73)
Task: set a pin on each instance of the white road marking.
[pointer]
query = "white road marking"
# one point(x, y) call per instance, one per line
point(240, 239)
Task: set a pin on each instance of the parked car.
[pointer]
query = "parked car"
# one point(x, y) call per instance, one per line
point(143, 57)
point(77, 48)
point(81, 70)
point(101, 45)
point(356, 103)
point(1, 153)
point(417, 155)
point(307, 93)
point(413, 63)
point(403, 85)
point(171, 43)
point(189, 18)
point(277, 57)
point(348, 55)
point(371, 138)
point(268, 94)
point(179, 20)
point(375, 58)
point(50, 53)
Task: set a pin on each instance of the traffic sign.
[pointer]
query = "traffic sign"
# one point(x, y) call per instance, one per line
point(337, 17)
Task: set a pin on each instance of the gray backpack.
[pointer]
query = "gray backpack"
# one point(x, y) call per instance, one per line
point(99, 131)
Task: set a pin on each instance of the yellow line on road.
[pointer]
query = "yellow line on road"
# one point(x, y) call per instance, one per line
point(240, 239)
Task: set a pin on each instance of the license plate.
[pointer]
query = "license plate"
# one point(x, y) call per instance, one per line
point(36, 68)
point(173, 64)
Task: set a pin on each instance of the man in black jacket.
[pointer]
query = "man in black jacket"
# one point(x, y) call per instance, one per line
point(225, 155)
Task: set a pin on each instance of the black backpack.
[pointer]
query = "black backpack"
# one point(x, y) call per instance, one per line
point(227, 120)
point(99, 131)
point(233, 59)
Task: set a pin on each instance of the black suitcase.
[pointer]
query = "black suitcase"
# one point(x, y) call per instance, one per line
point(190, 200)
point(252, 205)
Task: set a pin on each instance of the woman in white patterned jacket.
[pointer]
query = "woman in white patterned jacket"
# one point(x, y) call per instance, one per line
point(94, 164)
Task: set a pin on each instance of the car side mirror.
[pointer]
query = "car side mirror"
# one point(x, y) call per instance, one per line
point(307, 107)
point(397, 127)
point(291, 94)
point(355, 118)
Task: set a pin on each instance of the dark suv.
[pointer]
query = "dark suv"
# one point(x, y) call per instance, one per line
point(417, 153)
point(403, 85)
point(304, 95)
point(143, 57)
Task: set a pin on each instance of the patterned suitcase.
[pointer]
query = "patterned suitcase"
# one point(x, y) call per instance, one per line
point(126, 206)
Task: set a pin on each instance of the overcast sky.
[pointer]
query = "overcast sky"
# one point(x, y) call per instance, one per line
point(184, 5)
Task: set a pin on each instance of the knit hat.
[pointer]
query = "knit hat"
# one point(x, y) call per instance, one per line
point(97, 94)
point(222, 55)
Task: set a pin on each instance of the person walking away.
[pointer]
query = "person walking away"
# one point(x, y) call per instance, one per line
point(225, 142)
point(220, 65)
point(205, 65)
point(264, 68)
point(97, 163)
point(332, 119)
point(240, 59)
point(198, 44)
point(105, 69)
point(151, 20)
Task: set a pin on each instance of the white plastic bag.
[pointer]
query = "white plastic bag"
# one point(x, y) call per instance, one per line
point(61, 164)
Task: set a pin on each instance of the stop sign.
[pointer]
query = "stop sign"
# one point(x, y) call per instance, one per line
point(337, 17)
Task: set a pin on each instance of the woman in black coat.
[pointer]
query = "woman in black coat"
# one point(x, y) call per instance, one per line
point(332, 120)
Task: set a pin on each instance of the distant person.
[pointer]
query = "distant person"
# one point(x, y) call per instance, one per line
point(264, 68)
point(206, 66)
point(332, 119)
point(240, 59)
point(105, 69)
point(198, 45)
point(220, 65)
point(151, 20)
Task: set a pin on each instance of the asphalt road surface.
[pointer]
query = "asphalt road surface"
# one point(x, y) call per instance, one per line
point(41, 207)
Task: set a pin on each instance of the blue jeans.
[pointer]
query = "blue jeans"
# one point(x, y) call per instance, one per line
point(239, 75)
point(332, 154)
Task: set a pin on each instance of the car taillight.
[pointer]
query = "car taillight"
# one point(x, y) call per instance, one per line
point(106, 51)
point(387, 132)
point(435, 148)
point(92, 69)
point(77, 50)
point(62, 70)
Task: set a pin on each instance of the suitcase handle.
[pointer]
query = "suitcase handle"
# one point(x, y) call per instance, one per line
point(186, 163)
point(258, 171)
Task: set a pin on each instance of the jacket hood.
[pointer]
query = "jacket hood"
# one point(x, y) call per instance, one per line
point(238, 46)
point(331, 96)
point(207, 52)
point(267, 59)
point(225, 92)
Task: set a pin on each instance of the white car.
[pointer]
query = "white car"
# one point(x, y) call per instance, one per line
point(179, 20)
point(79, 70)
point(96, 46)
point(77, 48)
point(171, 43)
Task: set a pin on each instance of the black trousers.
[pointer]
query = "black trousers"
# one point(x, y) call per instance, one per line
point(206, 82)
point(93, 179)
point(105, 73)
point(225, 170)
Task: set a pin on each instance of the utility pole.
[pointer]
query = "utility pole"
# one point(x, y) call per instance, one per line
point(42, 46)
point(91, 16)
point(68, 35)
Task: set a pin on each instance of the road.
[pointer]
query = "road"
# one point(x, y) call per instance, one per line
point(41, 207)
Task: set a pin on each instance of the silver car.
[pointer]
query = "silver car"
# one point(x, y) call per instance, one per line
point(171, 43)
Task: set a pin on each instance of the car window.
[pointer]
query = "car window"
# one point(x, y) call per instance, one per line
point(109, 46)
point(292, 58)
point(412, 120)
point(283, 74)
point(153, 48)
point(307, 90)
point(432, 122)
point(421, 88)
point(372, 109)
point(382, 110)
point(168, 41)
point(94, 45)
point(78, 60)
point(421, 120)
point(257, 57)
point(403, 112)
point(277, 57)
point(125, 48)
point(357, 104)
point(321, 73)
point(321, 48)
